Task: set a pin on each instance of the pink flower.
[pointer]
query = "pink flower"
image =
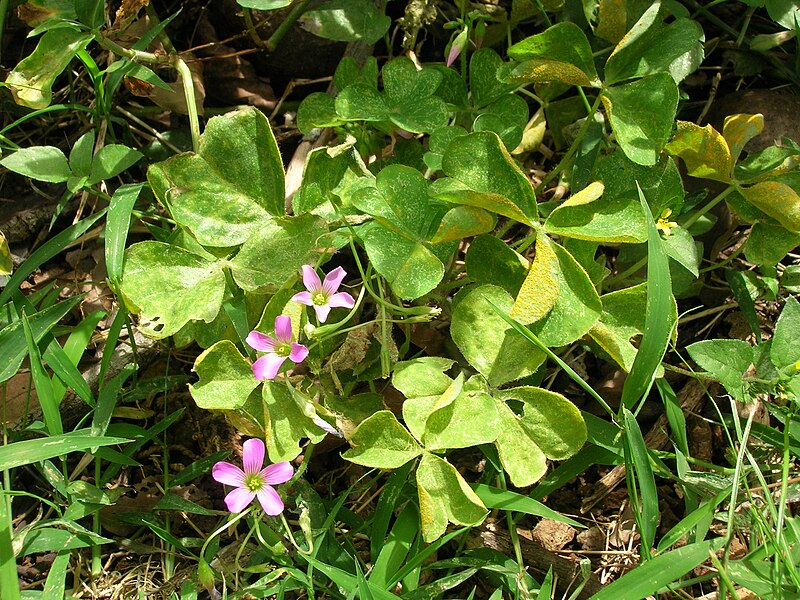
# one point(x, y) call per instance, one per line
point(277, 349)
point(323, 295)
point(253, 481)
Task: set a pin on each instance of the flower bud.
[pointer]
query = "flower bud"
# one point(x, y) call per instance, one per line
point(457, 46)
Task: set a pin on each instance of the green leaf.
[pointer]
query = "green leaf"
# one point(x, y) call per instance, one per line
point(409, 266)
point(776, 199)
point(382, 442)
point(623, 318)
point(276, 251)
point(112, 160)
point(577, 305)
point(727, 361)
point(494, 497)
point(470, 419)
point(32, 79)
point(28, 452)
point(346, 21)
point(785, 350)
point(637, 455)
point(490, 260)
point(704, 151)
point(288, 422)
point(681, 247)
point(651, 576)
point(541, 288)
point(480, 162)
point(361, 102)
point(226, 378)
point(488, 343)
point(224, 193)
point(43, 163)
point(769, 244)
point(264, 4)
point(463, 222)
point(657, 329)
point(507, 117)
point(6, 262)
point(410, 96)
point(651, 47)
point(520, 455)
point(561, 53)
point(444, 497)
point(13, 346)
point(590, 215)
point(422, 376)
point(642, 114)
point(81, 154)
point(349, 72)
point(117, 225)
point(169, 286)
point(483, 81)
point(399, 201)
point(317, 110)
point(437, 145)
point(553, 423)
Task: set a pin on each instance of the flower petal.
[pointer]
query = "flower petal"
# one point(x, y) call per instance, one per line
point(311, 279)
point(270, 501)
point(252, 455)
point(322, 312)
point(303, 298)
point(278, 473)
point(298, 353)
point(267, 366)
point(341, 300)
point(261, 342)
point(283, 329)
point(228, 474)
point(238, 499)
point(333, 280)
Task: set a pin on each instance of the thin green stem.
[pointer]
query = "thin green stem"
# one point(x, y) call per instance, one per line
point(191, 103)
point(711, 204)
point(626, 273)
point(287, 24)
point(3, 11)
point(573, 148)
point(251, 28)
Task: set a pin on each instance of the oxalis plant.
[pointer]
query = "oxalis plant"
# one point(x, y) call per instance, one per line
point(229, 276)
point(314, 312)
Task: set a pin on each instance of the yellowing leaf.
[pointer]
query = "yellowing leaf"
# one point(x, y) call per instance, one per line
point(539, 291)
point(612, 20)
point(740, 129)
point(704, 151)
point(776, 199)
point(542, 71)
point(6, 264)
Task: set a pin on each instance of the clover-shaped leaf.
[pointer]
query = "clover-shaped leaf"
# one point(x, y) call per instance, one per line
point(169, 286)
point(288, 422)
point(223, 193)
point(226, 378)
point(381, 441)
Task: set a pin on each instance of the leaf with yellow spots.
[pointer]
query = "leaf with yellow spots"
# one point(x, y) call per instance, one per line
point(462, 222)
point(740, 129)
point(612, 20)
point(561, 53)
point(704, 151)
point(539, 291)
point(776, 199)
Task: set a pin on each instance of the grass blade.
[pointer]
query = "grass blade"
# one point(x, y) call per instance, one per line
point(493, 497)
point(657, 328)
point(74, 348)
point(30, 451)
point(42, 383)
point(638, 457)
point(117, 226)
point(648, 578)
point(8, 562)
point(395, 549)
point(47, 251)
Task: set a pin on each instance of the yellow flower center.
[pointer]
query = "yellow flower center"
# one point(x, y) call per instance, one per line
point(254, 482)
point(320, 299)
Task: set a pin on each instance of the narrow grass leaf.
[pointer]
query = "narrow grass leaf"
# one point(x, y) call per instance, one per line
point(657, 329)
point(638, 457)
point(41, 381)
point(435, 589)
point(675, 416)
point(27, 452)
point(740, 291)
point(48, 250)
point(8, 562)
point(685, 525)
point(54, 586)
point(385, 510)
point(107, 400)
point(66, 374)
point(651, 576)
point(117, 225)
point(421, 557)
point(13, 344)
point(345, 580)
point(493, 497)
point(396, 547)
